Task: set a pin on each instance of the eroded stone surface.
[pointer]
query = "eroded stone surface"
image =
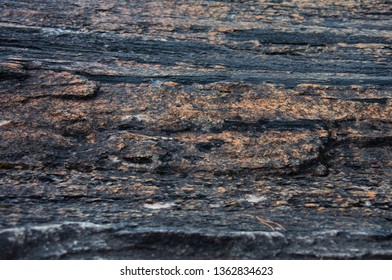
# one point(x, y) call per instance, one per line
point(208, 129)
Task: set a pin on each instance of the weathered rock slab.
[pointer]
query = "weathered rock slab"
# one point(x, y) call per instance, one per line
point(195, 129)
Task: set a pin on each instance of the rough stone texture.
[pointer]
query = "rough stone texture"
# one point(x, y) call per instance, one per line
point(195, 129)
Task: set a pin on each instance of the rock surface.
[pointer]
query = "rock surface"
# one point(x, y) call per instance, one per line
point(195, 129)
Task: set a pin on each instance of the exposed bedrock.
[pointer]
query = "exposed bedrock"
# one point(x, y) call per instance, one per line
point(195, 129)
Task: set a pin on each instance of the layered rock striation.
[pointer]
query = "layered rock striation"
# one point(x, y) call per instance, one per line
point(195, 129)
